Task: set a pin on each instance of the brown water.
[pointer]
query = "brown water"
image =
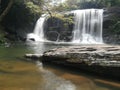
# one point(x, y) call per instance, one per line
point(18, 74)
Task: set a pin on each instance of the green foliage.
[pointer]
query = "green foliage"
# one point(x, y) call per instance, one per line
point(65, 22)
point(33, 8)
point(24, 13)
point(115, 26)
point(112, 24)
point(83, 4)
point(66, 19)
point(61, 24)
point(109, 3)
point(20, 18)
point(61, 7)
point(21, 15)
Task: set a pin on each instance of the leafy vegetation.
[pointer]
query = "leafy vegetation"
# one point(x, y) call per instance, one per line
point(84, 4)
point(20, 15)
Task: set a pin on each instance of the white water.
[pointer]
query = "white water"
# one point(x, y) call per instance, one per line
point(88, 26)
point(38, 33)
point(87, 29)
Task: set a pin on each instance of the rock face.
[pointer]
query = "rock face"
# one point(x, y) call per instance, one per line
point(98, 59)
point(98, 55)
point(59, 28)
point(102, 60)
point(111, 25)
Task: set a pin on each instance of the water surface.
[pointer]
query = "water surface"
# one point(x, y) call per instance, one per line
point(18, 74)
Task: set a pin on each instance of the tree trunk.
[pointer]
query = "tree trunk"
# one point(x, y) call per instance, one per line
point(0, 5)
point(4, 13)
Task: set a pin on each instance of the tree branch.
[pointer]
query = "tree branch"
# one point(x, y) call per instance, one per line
point(50, 13)
point(5, 12)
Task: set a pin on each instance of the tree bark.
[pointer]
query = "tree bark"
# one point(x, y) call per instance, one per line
point(4, 13)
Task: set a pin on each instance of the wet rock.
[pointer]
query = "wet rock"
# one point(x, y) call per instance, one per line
point(100, 59)
point(33, 56)
point(92, 54)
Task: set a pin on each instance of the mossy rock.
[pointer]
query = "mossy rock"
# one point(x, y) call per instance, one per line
point(60, 23)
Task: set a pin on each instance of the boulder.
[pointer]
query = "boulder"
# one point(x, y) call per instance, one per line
point(98, 59)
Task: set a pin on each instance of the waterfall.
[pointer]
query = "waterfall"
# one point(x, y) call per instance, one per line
point(88, 26)
point(38, 33)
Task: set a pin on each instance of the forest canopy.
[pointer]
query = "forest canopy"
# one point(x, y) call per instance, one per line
point(84, 4)
point(37, 6)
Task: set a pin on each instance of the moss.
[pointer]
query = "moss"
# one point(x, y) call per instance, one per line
point(66, 21)
point(64, 18)
point(61, 24)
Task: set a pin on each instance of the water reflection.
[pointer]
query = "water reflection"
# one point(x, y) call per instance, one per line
point(53, 82)
point(54, 79)
point(36, 47)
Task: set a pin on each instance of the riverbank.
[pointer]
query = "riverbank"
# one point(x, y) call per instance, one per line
point(103, 60)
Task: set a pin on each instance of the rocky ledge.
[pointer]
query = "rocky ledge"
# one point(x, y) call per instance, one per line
point(100, 59)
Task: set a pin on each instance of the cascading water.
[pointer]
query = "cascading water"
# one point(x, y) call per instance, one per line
point(38, 33)
point(87, 29)
point(88, 26)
